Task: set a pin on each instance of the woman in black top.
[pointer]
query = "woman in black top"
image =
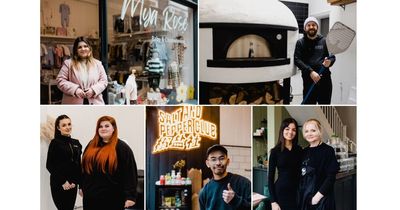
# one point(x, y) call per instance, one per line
point(109, 170)
point(318, 171)
point(64, 164)
point(286, 157)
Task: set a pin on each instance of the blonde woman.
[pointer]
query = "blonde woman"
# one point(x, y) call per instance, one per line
point(318, 170)
point(82, 78)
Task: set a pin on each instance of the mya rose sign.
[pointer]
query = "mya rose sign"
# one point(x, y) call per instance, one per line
point(148, 16)
point(183, 129)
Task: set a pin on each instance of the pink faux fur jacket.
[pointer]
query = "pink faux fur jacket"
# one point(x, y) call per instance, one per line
point(68, 82)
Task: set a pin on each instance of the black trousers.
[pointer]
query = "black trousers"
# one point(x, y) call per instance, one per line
point(322, 91)
point(108, 203)
point(64, 199)
point(154, 80)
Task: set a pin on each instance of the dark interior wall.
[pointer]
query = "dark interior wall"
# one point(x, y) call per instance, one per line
point(161, 163)
point(300, 11)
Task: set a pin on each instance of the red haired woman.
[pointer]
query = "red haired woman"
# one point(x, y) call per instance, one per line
point(109, 170)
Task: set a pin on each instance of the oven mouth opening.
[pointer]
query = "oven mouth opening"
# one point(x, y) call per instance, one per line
point(241, 46)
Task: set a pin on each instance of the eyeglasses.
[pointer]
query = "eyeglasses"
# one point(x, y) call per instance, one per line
point(215, 160)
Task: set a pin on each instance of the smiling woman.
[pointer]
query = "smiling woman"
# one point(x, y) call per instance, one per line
point(82, 78)
point(64, 164)
point(109, 170)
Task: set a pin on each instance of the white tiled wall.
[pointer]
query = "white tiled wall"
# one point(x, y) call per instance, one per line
point(240, 160)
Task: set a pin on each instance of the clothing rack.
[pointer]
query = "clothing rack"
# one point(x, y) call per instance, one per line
point(138, 35)
point(167, 40)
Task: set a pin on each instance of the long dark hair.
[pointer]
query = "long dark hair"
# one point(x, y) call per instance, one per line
point(281, 140)
point(57, 133)
point(75, 56)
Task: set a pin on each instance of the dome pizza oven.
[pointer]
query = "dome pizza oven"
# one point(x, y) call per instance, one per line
point(244, 43)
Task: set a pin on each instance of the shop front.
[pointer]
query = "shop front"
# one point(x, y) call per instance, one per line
point(147, 47)
point(177, 139)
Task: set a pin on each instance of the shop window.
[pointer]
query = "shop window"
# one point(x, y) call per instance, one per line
point(60, 23)
point(155, 38)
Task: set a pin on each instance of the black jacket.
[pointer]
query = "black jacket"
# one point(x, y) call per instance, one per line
point(310, 53)
point(64, 161)
point(319, 169)
point(112, 188)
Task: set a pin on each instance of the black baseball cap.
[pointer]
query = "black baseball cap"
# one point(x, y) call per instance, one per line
point(217, 147)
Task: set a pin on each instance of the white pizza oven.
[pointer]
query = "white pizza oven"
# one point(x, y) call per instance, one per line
point(249, 41)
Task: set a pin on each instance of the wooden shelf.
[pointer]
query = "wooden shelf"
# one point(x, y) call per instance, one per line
point(62, 39)
point(340, 2)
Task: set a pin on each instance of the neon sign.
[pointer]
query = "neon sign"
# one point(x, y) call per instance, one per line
point(183, 129)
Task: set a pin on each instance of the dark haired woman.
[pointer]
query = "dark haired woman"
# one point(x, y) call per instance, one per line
point(82, 78)
point(64, 164)
point(109, 170)
point(286, 157)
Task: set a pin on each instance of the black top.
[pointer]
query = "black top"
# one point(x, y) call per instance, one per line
point(310, 54)
point(210, 197)
point(64, 161)
point(112, 190)
point(288, 162)
point(323, 159)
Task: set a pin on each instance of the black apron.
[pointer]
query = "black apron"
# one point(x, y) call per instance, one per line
point(307, 189)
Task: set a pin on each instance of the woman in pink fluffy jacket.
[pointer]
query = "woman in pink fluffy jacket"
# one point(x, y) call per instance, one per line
point(82, 78)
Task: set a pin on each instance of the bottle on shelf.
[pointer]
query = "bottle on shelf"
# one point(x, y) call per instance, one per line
point(162, 199)
point(184, 197)
point(178, 202)
point(162, 180)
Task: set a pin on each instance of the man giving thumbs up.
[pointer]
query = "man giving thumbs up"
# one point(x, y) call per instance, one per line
point(225, 190)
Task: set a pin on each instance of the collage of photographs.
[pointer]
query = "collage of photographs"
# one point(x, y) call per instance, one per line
point(198, 104)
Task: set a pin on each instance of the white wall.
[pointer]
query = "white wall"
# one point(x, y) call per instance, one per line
point(235, 125)
point(84, 15)
point(299, 1)
point(240, 161)
point(130, 122)
point(235, 130)
point(344, 70)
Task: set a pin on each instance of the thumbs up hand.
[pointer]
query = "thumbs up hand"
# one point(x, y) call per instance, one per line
point(228, 194)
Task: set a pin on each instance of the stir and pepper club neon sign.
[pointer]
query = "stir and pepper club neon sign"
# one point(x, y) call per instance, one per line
point(183, 129)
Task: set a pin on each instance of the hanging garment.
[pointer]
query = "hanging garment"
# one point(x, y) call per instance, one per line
point(65, 11)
